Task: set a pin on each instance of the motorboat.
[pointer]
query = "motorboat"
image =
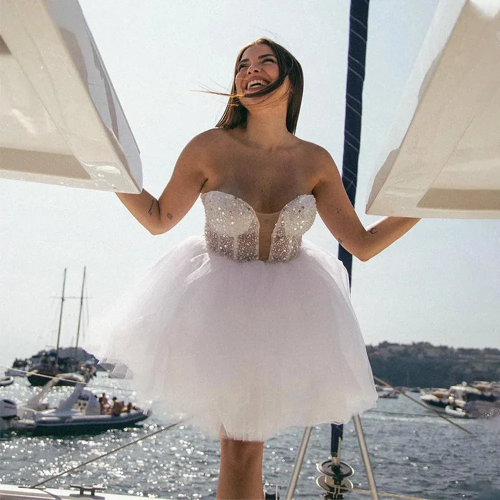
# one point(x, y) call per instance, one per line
point(478, 400)
point(483, 391)
point(488, 389)
point(6, 381)
point(437, 400)
point(386, 392)
point(388, 395)
point(446, 403)
point(79, 413)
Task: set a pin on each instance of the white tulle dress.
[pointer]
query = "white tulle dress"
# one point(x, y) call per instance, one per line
point(214, 334)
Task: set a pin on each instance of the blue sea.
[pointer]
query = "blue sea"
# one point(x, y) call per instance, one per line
point(413, 453)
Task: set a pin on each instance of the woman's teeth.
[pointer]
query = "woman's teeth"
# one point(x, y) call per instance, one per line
point(255, 84)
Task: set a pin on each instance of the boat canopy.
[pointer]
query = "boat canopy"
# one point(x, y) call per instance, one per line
point(60, 118)
point(443, 154)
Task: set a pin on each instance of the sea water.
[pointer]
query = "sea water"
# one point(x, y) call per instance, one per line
point(412, 453)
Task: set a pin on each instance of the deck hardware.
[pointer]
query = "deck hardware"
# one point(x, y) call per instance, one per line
point(334, 478)
point(87, 489)
point(271, 495)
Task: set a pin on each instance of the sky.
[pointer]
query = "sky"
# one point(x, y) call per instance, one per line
point(440, 283)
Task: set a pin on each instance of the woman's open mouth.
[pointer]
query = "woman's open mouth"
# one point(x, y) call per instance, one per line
point(255, 85)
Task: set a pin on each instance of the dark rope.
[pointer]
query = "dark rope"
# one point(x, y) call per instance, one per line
point(358, 35)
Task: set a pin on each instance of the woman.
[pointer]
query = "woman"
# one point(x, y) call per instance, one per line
point(249, 330)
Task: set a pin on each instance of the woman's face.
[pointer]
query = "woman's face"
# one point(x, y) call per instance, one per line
point(258, 67)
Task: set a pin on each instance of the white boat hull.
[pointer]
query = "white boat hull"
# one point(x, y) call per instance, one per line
point(77, 424)
point(456, 412)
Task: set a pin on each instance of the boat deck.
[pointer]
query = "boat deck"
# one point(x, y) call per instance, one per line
point(8, 492)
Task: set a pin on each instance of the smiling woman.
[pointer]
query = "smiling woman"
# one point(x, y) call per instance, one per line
point(225, 329)
point(280, 66)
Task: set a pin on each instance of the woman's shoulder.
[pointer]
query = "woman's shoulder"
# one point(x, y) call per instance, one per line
point(318, 157)
point(209, 137)
point(318, 152)
point(206, 144)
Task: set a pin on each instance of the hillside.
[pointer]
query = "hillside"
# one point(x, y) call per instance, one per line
point(424, 365)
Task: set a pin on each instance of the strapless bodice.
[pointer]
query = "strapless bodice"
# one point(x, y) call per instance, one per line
point(233, 228)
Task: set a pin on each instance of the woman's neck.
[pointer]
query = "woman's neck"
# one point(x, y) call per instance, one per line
point(267, 131)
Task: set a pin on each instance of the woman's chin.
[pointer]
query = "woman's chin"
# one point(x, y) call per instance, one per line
point(251, 100)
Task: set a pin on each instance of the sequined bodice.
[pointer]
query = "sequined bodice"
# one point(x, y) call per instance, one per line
point(232, 227)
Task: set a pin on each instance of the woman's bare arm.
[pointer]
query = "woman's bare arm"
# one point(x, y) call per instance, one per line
point(180, 194)
point(385, 232)
point(337, 212)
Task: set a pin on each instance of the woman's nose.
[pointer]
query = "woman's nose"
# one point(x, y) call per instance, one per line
point(252, 69)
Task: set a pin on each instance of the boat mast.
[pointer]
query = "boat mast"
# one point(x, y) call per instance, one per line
point(80, 314)
point(358, 36)
point(60, 317)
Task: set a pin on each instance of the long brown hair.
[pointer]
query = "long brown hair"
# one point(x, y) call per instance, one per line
point(235, 114)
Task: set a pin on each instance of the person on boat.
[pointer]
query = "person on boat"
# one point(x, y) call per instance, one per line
point(103, 403)
point(248, 330)
point(116, 408)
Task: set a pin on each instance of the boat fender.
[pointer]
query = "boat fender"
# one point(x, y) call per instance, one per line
point(8, 411)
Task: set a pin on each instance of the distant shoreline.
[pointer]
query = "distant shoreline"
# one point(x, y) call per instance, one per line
point(425, 365)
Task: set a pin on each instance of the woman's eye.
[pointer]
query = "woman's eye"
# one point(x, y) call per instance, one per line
point(268, 59)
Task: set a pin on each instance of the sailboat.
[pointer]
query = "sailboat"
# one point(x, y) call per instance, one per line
point(77, 365)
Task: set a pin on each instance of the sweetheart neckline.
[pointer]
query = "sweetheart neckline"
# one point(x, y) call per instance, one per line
point(250, 206)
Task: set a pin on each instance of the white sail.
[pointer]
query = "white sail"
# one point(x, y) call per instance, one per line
point(443, 154)
point(60, 119)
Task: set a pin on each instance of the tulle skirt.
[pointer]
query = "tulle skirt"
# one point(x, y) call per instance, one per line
point(253, 347)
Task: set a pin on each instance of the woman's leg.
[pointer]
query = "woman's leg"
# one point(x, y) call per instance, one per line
point(240, 470)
